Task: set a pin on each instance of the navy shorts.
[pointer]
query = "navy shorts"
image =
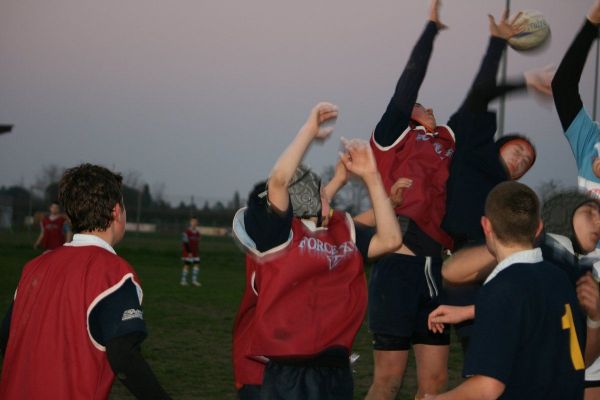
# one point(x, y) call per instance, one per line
point(304, 382)
point(403, 290)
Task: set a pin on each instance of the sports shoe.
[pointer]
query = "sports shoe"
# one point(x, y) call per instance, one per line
point(183, 283)
point(196, 283)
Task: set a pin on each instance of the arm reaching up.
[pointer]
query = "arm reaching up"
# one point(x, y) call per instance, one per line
point(359, 160)
point(286, 165)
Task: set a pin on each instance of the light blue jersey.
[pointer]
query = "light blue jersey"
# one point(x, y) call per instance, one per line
point(583, 136)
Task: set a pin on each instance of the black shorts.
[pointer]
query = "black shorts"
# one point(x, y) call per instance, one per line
point(302, 382)
point(403, 290)
point(249, 392)
point(592, 384)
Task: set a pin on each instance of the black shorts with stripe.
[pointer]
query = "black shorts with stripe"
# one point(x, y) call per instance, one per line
point(403, 290)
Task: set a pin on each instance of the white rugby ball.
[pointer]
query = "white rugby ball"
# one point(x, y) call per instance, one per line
point(536, 31)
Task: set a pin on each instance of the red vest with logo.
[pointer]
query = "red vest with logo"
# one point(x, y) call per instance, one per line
point(246, 370)
point(312, 295)
point(193, 237)
point(50, 353)
point(425, 158)
point(54, 235)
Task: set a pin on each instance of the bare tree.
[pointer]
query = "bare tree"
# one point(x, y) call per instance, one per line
point(47, 176)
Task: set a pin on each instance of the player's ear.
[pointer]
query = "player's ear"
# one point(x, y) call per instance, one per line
point(539, 229)
point(117, 212)
point(486, 225)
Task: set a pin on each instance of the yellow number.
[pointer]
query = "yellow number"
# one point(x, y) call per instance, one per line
point(568, 323)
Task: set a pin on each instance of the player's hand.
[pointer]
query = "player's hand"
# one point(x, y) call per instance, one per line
point(397, 191)
point(446, 314)
point(434, 14)
point(540, 79)
point(341, 174)
point(505, 29)
point(588, 295)
point(593, 14)
point(320, 120)
point(358, 157)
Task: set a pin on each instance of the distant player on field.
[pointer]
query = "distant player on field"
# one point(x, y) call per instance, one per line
point(190, 241)
point(54, 229)
point(76, 321)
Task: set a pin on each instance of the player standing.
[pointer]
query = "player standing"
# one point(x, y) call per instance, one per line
point(309, 287)
point(529, 333)
point(76, 320)
point(190, 242)
point(54, 229)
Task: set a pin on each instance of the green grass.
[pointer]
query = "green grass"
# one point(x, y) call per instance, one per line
point(189, 340)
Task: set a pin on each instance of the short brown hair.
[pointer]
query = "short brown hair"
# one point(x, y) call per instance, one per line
point(88, 194)
point(514, 211)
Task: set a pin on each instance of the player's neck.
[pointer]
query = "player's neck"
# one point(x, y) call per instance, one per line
point(108, 236)
point(503, 251)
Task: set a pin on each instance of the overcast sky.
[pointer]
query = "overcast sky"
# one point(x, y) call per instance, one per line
point(202, 96)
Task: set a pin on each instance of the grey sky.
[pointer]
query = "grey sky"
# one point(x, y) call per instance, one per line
point(203, 95)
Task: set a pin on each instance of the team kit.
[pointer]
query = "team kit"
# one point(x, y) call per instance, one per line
point(455, 242)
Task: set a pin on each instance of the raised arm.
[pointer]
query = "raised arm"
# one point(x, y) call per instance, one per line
point(472, 264)
point(565, 85)
point(284, 168)
point(484, 88)
point(359, 160)
point(397, 115)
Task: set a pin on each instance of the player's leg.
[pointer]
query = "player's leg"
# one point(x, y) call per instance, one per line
point(184, 273)
point(431, 349)
point(195, 271)
point(432, 368)
point(388, 372)
point(393, 305)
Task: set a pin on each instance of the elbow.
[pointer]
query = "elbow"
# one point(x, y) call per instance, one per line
point(278, 180)
point(393, 242)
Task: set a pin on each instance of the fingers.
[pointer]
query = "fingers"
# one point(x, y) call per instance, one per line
point(433, 320)
point(401, 183)
point(513, 19)
point(588, 295)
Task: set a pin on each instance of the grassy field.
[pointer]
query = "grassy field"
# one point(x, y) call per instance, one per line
point(189, 328)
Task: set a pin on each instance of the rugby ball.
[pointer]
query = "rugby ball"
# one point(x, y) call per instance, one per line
point(535, 31)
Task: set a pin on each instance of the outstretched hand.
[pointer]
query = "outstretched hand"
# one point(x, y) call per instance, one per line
point(506, 29)
point(593, 14)
point(320, 120)
point(358, 157)
point(434, 14)
point(540, 79)
point(445, 314)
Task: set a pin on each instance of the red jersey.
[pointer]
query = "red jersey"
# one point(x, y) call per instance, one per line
point(312, 295)
point(425, 158)
point(54, 232)
point(246, 370)
point(191, 241)
point(51, 353)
